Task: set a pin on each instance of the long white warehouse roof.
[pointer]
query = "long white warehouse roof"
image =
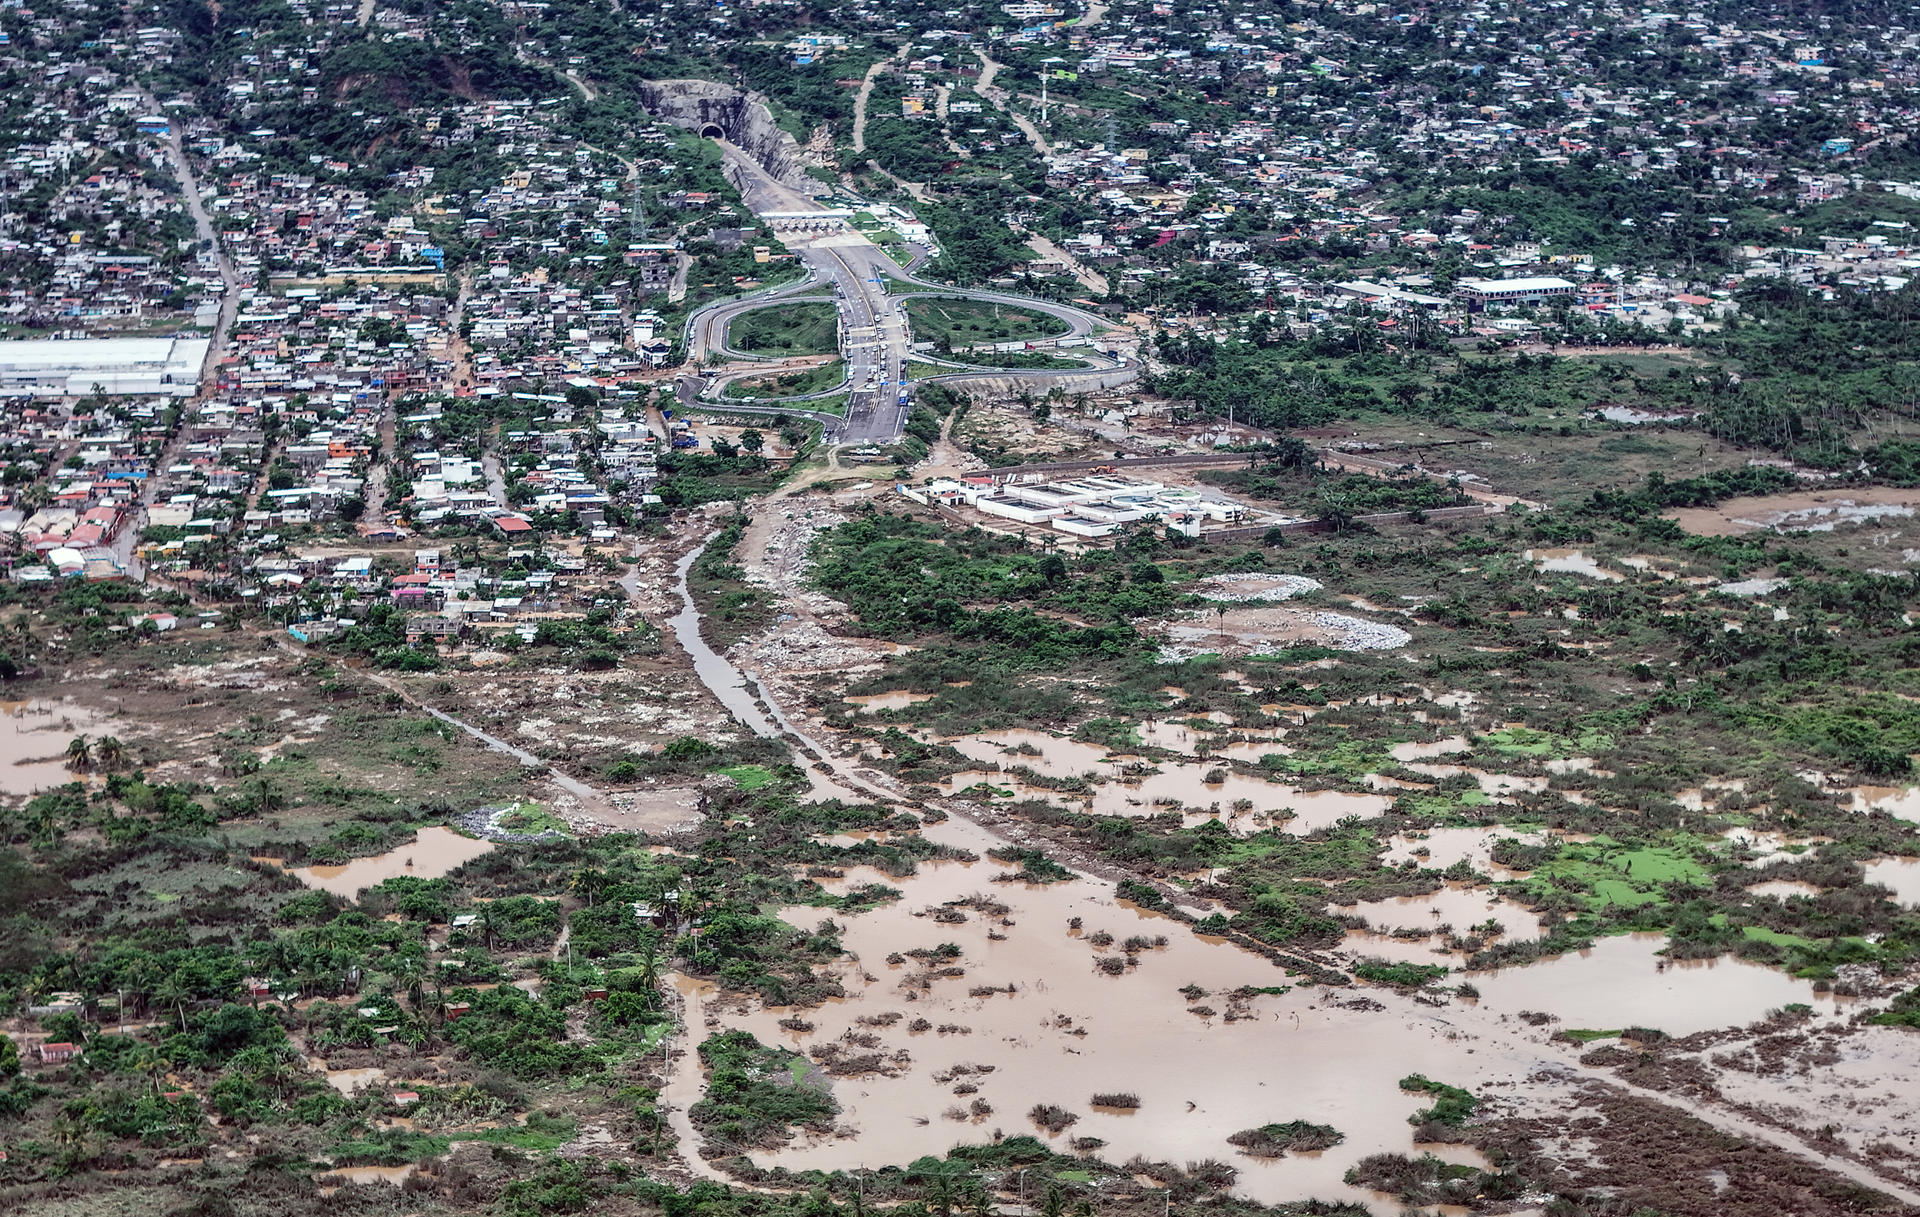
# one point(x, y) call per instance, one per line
point(71, 367)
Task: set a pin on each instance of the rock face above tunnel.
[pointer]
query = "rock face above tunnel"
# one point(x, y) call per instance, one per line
point(708, 107)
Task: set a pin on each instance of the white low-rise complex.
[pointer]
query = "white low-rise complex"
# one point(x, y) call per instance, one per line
point(1093, 506)
point(75, 367)
point(1479, 293)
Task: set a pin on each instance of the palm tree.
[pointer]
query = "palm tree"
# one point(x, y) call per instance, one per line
point(650, 971)
point(44, 822)
point(173, 991)
point(590, 884)
point(79, 753)
point(266, 796)
point(111, 751)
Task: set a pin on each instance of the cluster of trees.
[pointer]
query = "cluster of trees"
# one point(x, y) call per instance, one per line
point(975, 243)
point(1260, 386)
point(906, 578)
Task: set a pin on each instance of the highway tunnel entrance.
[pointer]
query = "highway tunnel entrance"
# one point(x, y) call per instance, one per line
point(713, 131)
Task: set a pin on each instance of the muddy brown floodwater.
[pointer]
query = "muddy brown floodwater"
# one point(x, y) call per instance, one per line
point(1179, 737)
point(1065, 1032)
point(1570, 562)
point(33, 743)
point(1035, 1021)
point(1494, 785)
point(1901, 802)
point(1198, 799)
point(1457, 907)
point(1782, 889)
point(435, 852)
point(1118, 794)
point(1623, 982)
point(1446, 846)
point(1427, 751)
point(1901, 876)
point(1816, 511)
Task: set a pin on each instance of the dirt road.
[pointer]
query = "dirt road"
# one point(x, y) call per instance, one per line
point(1088, 278)
point(1000, 98)
point(860, 100)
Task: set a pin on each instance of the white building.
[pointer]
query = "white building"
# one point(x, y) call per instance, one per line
point(1479, 293)
point(53, 367)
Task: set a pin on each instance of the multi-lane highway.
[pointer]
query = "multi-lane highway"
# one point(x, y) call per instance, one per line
point(875, 339)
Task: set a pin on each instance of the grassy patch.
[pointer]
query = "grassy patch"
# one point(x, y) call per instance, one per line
point(1404, 975)
point(790, 384)
point(959, 323)
point(1452, 1106)
point(809, 328)
point(1761, 933)
point(531, 817)
point(1602, 874)
point(1582, 1035)
point(750, 777)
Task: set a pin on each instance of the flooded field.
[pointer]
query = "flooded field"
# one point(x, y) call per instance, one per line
point(874, 703)
point(1815, 511)
point(1624, 982)
point(1901, 876)
point(1426, 751)
point(1769, 846)
point(1454, 910)
point(1201, 789)
point(1439, 848)
point(395, 1175)
point(1244, 804)
point(1493, 785)
point(436, 852)
point(1179, 737)
point(1570, 562)
point(1034, 1021)
point(1782, 889)
point(922, 1059)
point(33, 743)
point(1902, 802)
point(1036, 750)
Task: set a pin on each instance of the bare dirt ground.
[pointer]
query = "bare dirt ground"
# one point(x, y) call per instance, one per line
point(1006, 424)
point(775, 552)
point(219, 709)
point(1816, 510)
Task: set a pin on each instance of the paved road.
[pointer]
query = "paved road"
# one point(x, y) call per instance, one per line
point(230, 281)
point(875, 338)
point(706, 328)
point(128, 536)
